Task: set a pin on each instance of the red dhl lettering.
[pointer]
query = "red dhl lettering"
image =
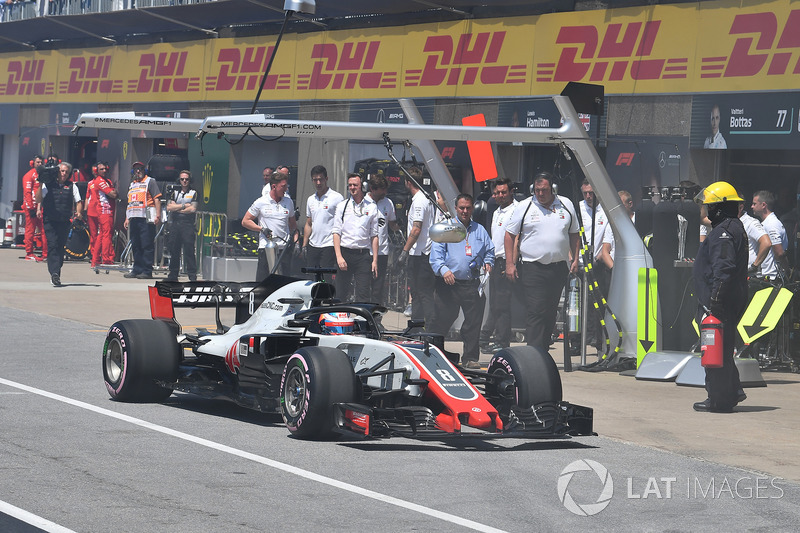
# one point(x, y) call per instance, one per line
point(242, 70)
point(90, 76)
point(473, 61)
point(618, 54)
point(757, 48)
point(25, 78)
point(348, 68)
point(163, 72)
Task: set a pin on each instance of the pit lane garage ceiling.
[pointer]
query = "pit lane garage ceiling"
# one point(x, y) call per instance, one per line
point(232, 18)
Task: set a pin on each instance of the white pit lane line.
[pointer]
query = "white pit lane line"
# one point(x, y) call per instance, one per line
point(32, 519)
point(258, 459)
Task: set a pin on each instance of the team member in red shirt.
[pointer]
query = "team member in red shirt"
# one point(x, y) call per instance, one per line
point(33, 213)
point(100, 197)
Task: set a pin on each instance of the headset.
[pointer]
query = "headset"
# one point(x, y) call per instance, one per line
point(37, 156)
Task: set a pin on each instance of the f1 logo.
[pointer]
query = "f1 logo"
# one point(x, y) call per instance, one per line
point(625, 159)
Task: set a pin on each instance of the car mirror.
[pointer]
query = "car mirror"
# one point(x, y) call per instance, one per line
point(447, 231)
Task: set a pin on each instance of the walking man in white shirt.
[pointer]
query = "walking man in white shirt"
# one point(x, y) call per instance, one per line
point(355, 242)
point(547, 226)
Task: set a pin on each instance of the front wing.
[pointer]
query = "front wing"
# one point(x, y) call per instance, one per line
point(545, 421)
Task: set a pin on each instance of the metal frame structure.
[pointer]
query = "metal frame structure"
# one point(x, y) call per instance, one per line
point(571, 137)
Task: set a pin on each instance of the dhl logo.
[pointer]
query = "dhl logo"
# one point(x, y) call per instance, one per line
point(89, 75)
point(162, 73)
point(347, 68)
point(470, 61)
point(241, 70)
point(757, 48)
point(25, 78)
point(622, 50)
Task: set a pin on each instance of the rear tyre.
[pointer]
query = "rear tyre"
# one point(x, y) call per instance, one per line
point(314, 379)
point(136, 355)
point(532, 377)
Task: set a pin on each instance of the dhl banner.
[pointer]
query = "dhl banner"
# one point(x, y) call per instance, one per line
point(723, 46)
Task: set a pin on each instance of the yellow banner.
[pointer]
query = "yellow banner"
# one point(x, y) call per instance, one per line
point(687, 48)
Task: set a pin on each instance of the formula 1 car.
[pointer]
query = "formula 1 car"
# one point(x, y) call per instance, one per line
point(330, 368)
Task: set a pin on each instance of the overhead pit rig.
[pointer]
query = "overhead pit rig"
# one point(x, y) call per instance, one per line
point(571, 137)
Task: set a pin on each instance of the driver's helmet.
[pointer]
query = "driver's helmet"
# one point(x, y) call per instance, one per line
point(337, 323)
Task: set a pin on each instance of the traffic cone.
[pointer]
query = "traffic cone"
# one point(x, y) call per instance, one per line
point(8, 236)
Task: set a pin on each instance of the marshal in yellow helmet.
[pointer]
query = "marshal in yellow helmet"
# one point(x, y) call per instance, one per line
point(720, 191)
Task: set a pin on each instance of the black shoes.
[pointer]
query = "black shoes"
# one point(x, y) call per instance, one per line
point(129, 275)
point(171, 278)
point(706, 407)
point(145, 275)
point(55, 279)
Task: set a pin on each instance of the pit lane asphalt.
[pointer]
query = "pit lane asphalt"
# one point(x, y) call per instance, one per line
point(89, 471)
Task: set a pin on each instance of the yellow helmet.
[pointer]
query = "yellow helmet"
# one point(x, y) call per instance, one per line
point(720, 191)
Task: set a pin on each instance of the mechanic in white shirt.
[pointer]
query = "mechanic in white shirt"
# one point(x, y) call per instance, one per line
point(587, 205)
point(320, 211)
point(500, 288)
point(355, 242)
point(547, 226)
point(758, 241)
point(272, 216)
point(595, 223)
point(387, 219)
point(417, 251)
point(763, 202)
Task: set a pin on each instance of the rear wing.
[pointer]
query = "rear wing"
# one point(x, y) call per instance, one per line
point(245, 297)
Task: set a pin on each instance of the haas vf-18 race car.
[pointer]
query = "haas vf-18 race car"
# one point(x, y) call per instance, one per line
point(330, 368)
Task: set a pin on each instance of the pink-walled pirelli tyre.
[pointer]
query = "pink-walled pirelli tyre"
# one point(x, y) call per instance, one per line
point(136, 355)
point(314, 379)
point(536, 378)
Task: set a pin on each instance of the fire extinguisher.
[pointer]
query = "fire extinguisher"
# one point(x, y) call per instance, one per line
point(711, 342)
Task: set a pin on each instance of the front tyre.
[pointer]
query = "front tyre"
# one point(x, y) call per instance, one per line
point(136, 355)
point(314, 379)
point(529, 377)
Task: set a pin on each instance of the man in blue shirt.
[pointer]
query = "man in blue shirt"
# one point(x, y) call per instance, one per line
point(457, 267)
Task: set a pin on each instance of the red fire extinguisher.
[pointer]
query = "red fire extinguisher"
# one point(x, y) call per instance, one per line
point(711, 342)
